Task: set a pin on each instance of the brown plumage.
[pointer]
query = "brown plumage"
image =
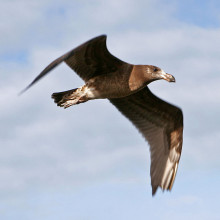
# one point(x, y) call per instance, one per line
point(125, 85)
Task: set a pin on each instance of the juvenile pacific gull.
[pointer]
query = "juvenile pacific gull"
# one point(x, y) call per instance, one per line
point(125, 85)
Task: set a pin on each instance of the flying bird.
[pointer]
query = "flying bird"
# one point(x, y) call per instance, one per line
point(125, 85)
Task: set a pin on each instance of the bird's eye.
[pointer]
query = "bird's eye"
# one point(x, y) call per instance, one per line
point(155, 69)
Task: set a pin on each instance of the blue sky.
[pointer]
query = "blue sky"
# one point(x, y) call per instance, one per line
point(89, 162)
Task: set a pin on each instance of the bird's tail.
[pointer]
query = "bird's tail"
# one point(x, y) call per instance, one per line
point(67, 98)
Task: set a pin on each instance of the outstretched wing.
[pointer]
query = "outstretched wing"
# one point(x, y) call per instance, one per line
point(161, 124)
point(87, 60)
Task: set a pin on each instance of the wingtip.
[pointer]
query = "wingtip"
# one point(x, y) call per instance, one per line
point(154, 190)
point(24, 90)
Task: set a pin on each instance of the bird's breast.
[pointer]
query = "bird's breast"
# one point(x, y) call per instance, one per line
point(114, 85)
point(136, 79)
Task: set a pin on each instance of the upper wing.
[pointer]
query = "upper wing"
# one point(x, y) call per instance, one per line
point(162, 126)
point(87, 60)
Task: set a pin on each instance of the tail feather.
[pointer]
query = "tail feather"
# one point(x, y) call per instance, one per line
point(62, 98)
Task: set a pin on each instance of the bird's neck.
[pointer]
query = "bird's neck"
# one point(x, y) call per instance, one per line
point(138, 79)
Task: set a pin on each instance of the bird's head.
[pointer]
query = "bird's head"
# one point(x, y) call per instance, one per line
point(155, 73)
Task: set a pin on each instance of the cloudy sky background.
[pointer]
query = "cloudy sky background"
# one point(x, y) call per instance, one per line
point(89, 162)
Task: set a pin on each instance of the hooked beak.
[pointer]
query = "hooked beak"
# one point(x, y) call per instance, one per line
point(168, 77)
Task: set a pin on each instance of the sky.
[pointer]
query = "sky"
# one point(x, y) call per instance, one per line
point(88, 161)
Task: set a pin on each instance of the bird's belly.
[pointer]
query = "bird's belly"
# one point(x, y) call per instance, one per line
point(107, 89)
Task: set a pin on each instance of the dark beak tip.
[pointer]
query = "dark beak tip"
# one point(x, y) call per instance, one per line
point(173, 80)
